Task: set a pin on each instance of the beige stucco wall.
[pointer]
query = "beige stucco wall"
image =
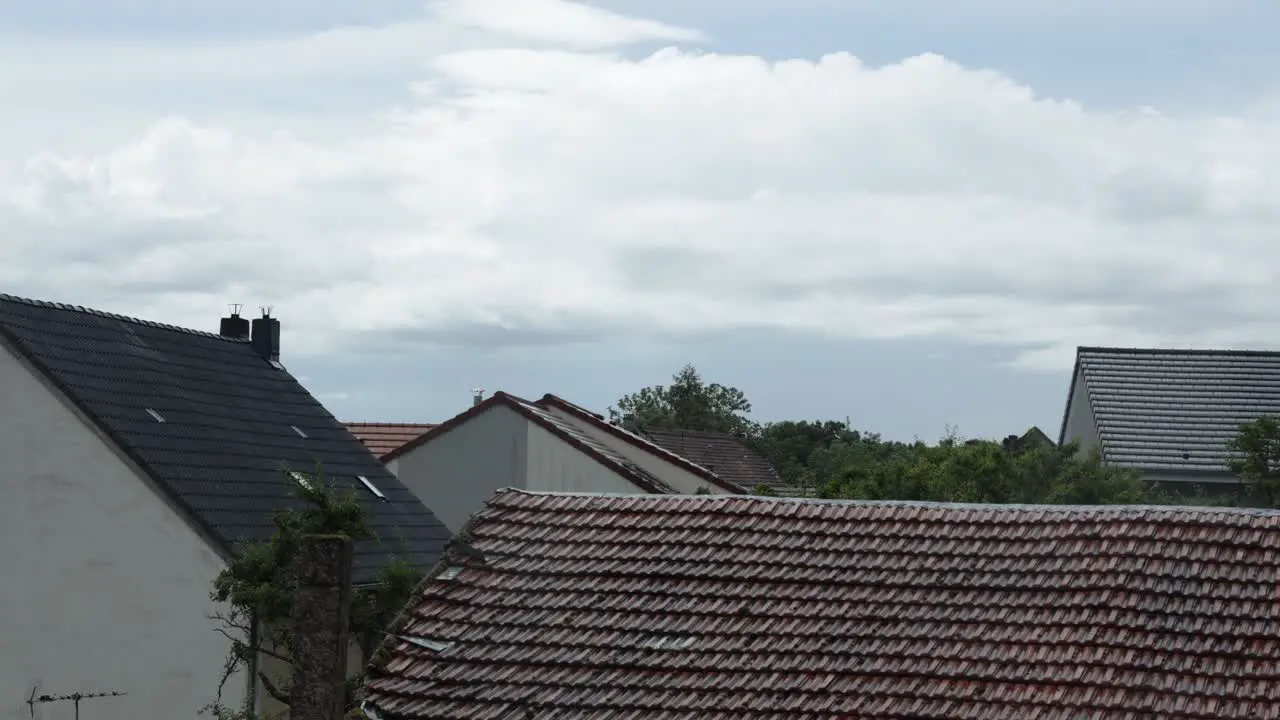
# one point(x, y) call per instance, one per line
point(106, 587)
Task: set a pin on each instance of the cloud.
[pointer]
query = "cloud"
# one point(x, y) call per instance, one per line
point(543, 183)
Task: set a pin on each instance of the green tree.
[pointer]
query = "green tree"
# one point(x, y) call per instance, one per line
point(1255, 458)
point(259, 584)
point(980, 471)
point(688, 403)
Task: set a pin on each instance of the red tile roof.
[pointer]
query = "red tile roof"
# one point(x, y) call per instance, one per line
point(589, 607)
point(725, 455)
point(382, 438)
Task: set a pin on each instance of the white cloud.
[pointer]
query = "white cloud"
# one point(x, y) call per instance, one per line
point(540, 179)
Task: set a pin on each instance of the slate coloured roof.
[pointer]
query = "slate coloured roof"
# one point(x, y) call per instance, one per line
point(725, 455)
point(228, 424)
point(382, 438)
point(1174, 409)
point(719, 607)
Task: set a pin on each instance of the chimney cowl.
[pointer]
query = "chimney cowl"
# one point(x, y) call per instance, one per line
point(477, 396)
point(266, 337)
point(233, 326)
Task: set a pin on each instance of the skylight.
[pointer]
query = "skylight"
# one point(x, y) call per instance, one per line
point(372, 488)
point(301, 479)
point(155, 415)
point(298, 430)
point(450, 572)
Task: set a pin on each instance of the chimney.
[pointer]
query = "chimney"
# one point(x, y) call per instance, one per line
point(266, 336)
point(233, 326)
point(477, 396)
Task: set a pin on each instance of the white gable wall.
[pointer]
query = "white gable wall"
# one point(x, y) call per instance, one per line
point(455, 472)
point(677, 477)
point(557, 466)
point(106, 587)
point(1080, 424)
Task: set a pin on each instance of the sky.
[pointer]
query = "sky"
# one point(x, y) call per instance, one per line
point(907, 214)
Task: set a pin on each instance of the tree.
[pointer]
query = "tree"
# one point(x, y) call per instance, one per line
point(864, 467)
point(687, 403)
point(259, 584)
point(1256, 458)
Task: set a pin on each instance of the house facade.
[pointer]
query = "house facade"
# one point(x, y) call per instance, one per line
point(134, 456)
point(1169, 413)
point(549, 444)
point(598, 607)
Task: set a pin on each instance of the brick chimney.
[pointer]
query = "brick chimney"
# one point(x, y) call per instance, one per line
point(266, 336)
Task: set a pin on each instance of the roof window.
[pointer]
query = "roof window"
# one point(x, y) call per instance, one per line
point(301, 479)
point(372, 488)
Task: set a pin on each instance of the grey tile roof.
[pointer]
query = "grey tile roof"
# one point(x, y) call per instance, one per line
point(228, 424)
point(1175, 409)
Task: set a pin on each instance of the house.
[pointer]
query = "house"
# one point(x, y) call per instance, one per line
point(383, 438)
point(133, 456)
point(1032, 439)
point(726, 455)
point(1168, 413)
point(548, 444)
point(714, 607)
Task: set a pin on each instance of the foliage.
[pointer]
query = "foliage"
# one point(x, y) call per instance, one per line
point(260, 584)
point(835, 461)
point(687, 403)
point(1256, 459)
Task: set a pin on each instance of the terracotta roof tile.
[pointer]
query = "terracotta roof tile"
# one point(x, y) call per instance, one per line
point(725, 455)
point(382, 438)
point(680, 607)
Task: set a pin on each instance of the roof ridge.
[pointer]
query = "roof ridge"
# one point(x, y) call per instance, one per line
point(1175, 351)
point(387, 424)
point(640, 441)
point(931, 504)
point(5, 297)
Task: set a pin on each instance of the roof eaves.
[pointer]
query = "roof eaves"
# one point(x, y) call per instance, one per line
point(643, 480)
point(373, 666)
point(644, 444)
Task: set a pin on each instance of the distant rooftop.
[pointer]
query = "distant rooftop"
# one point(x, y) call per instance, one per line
point(382, 438)
point(1174, 410)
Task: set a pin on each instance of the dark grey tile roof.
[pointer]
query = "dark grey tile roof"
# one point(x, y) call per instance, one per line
point(1175, 409)
point(228, 424)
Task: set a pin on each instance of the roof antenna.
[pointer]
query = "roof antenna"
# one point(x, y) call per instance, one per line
point(477, 396)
